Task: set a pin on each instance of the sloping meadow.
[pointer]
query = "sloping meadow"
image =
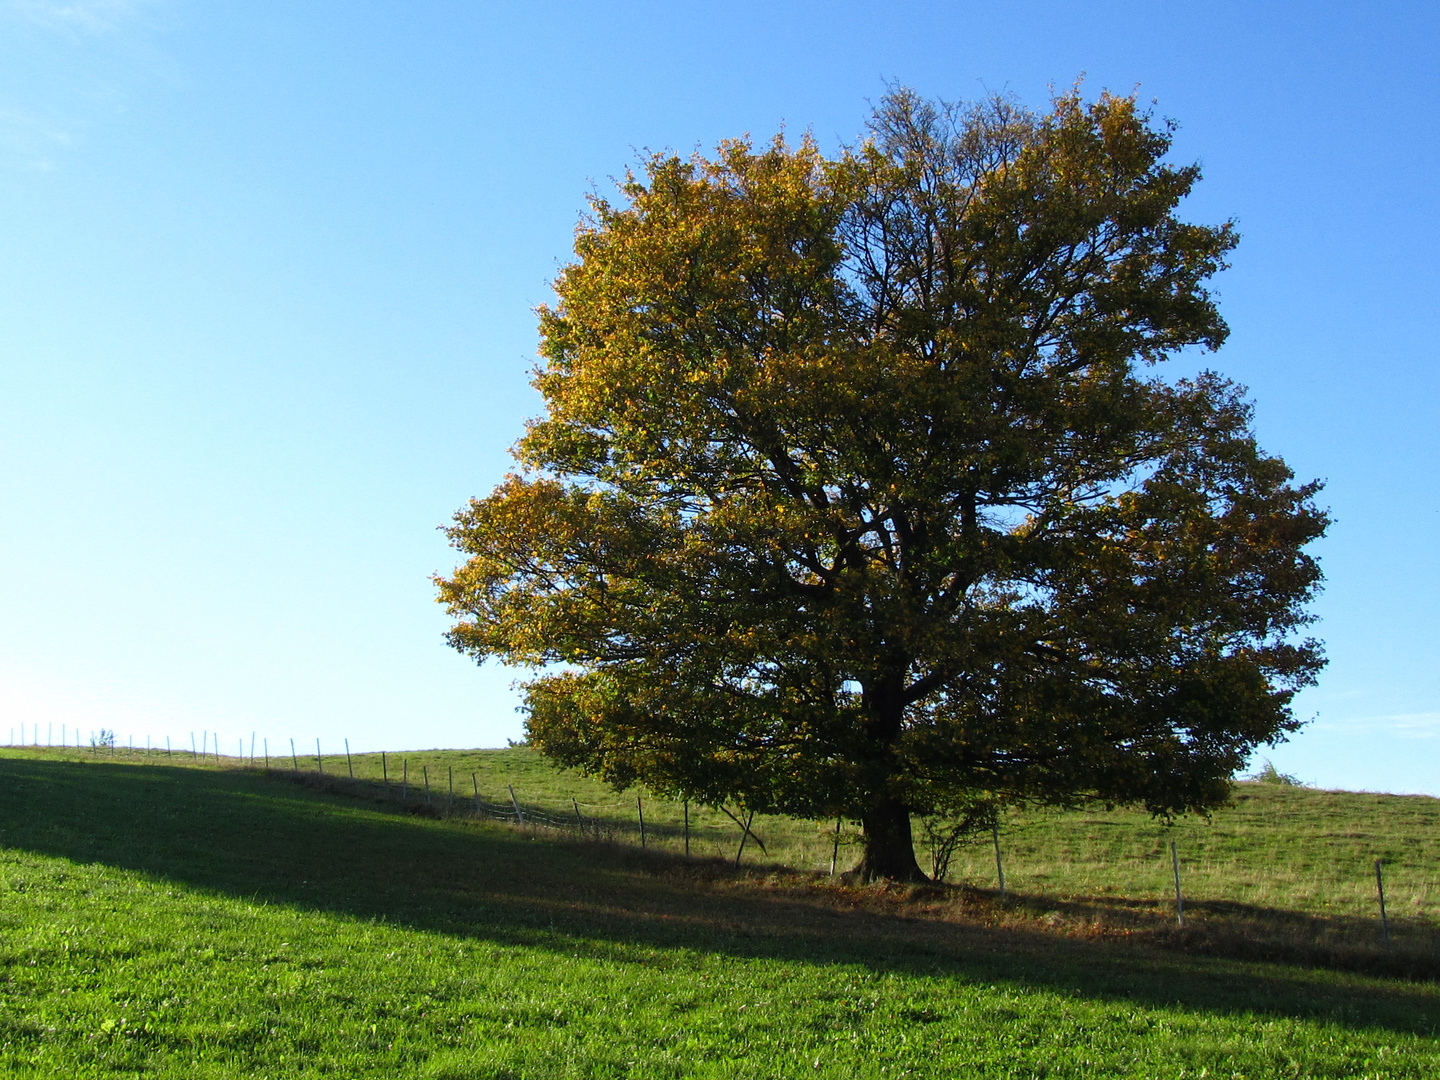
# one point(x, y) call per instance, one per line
point(168, 920)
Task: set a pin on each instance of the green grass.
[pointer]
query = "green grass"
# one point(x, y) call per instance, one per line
point(538, 784)
point(158, 920)
point(1277, 846)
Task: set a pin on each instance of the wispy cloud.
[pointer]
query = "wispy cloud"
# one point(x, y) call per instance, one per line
point(86, 16)
point(66, 65)
point(1416, 725)
point(31, 139)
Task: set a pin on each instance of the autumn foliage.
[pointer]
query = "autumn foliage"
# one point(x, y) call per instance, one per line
point(857, 493)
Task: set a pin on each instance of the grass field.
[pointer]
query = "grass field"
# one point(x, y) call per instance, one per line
point(1277, 848)
point(164, 919)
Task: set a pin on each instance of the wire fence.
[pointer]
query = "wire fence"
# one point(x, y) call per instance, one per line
point(1193, 880)
point(422, 793)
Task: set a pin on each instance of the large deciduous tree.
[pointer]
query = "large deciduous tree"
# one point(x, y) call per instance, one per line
point(856, 493)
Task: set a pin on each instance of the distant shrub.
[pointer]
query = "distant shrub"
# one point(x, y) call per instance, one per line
point(1268, 774)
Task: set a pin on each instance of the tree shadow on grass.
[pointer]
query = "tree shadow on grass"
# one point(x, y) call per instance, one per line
point(251, 836)
point(1409, 949)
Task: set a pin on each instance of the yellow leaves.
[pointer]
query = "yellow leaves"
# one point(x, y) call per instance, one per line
point(812, 424)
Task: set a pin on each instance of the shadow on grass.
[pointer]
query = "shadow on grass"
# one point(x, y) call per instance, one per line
point(252, 836)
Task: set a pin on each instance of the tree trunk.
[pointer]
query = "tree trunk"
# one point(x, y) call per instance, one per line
point(889, 847)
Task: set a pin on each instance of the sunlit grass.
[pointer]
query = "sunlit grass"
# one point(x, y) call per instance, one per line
point(1275, 846)
point(167, 921)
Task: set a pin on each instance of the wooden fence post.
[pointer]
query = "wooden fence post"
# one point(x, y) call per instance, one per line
point(404, 780)
point(835, 847)
point(579, 821)
point(1380, 889)
point(348, 763)
point(384, 769)
point(476, 781)
point(319, 761)
point(640, 809)
point(425, 772)
point(295, 761)
point(519, 814)
point(687, 828)
point(999, 866)
point(450, 799)
point(1179, 900)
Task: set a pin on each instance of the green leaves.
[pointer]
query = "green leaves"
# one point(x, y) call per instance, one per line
point(848, 495)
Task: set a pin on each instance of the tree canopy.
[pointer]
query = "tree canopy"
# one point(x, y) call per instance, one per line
point(857, 494)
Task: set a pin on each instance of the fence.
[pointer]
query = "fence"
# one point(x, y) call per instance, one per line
point(1046, 860)
point(586, 822)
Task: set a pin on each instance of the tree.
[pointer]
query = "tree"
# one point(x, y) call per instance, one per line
point(856, 494)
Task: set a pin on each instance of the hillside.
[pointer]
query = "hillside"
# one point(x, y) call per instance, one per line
point(168, 919)
point(1277, 847)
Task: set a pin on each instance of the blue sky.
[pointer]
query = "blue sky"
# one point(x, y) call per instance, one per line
point(268, 271)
